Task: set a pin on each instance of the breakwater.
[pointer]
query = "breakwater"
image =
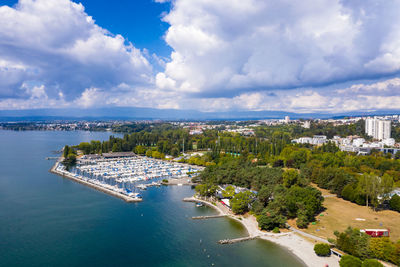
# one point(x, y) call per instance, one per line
point(236, 240)
point(207, 217)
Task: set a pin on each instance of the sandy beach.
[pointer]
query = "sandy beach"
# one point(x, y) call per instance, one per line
point(296, 244)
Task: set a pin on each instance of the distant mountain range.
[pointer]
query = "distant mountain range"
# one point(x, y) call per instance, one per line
point(134, 113)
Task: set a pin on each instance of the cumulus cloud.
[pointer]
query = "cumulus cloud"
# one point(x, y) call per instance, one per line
point(227, 55)
point(240, 46)
point(55, 43)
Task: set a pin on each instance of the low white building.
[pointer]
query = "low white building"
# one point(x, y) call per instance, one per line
point(358, 142)
point(388, 142)
point(315, 140)
point(306, 124)
point(373, 145)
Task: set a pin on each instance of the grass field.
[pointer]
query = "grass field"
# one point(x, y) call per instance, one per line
point(340, 214)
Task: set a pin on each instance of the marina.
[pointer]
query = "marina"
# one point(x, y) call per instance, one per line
point(125, 175)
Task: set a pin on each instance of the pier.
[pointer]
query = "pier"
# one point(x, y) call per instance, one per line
point(236, 240)
point(221, 214)
point(195, 200)
point(207, 217)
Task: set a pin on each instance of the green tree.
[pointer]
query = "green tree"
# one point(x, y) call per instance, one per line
point(265, 194)
point(371, 263)
point(85, 147)
point(368, 185)
point(241, 201)
point(394, 202)
point(270, 219)
point(350, 261)
point(70, 160)
point(174, 152)
point(354, 242)
point(141, 150)
point(290, 177)
point(149, 153)
point(386, 186)
point(66, 151)
point(384, 249)
point(228, 192)
point(206, 190)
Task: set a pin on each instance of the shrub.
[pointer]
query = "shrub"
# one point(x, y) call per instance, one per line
point(276, 230)
point(394, 203)
point(322, 249)
point(371, 263)
point(331, 240)
point(384, 249)
point(350, 261)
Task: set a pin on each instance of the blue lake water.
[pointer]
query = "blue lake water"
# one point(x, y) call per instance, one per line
point(46, 220)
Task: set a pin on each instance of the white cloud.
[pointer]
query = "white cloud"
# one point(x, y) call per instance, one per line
point(229, 47)
point(56, 43)
point(388, 87)
point(163, 82)
point(227, 55)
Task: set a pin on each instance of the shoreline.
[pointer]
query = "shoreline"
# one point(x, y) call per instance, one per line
point(295, 244)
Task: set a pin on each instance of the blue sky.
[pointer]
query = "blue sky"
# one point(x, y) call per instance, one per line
point(138, 21)
point(317, 56)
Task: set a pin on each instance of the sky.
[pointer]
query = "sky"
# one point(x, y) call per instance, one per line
point(228, 55)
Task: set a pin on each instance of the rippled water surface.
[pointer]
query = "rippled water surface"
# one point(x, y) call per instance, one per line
point(46, 220)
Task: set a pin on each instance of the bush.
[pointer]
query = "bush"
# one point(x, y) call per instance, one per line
point(331, 240)
point(276, 230)
point(394, 203)
point(384, 249)
point(322, 249)
point(371, 263)
point(350, 261)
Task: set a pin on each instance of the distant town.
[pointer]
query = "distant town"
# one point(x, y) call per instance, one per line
point(377, 130)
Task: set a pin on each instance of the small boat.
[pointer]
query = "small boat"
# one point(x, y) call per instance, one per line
point(198, 204)
point(142, 187)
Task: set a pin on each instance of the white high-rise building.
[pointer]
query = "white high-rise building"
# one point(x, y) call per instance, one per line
point(378, 128)
point(287, 119)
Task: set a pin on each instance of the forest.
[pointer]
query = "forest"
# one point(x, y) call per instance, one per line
point(269, 163)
